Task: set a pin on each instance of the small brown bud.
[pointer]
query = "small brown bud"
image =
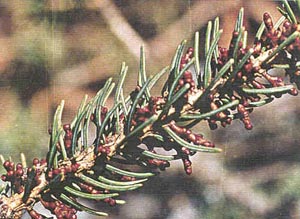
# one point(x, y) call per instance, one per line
point(268, 20)
point(35, 161)
point(66, 127)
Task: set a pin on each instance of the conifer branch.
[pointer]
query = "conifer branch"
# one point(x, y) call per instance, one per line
point(233, 82)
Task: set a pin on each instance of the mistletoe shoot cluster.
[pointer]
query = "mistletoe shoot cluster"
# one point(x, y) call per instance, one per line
point(141, 134)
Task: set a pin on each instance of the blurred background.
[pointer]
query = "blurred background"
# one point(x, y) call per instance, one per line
point(52, 50)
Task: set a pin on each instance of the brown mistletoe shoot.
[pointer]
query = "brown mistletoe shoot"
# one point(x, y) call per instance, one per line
point(232, 82)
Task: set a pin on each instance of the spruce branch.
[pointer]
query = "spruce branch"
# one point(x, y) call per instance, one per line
point(231, 84)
